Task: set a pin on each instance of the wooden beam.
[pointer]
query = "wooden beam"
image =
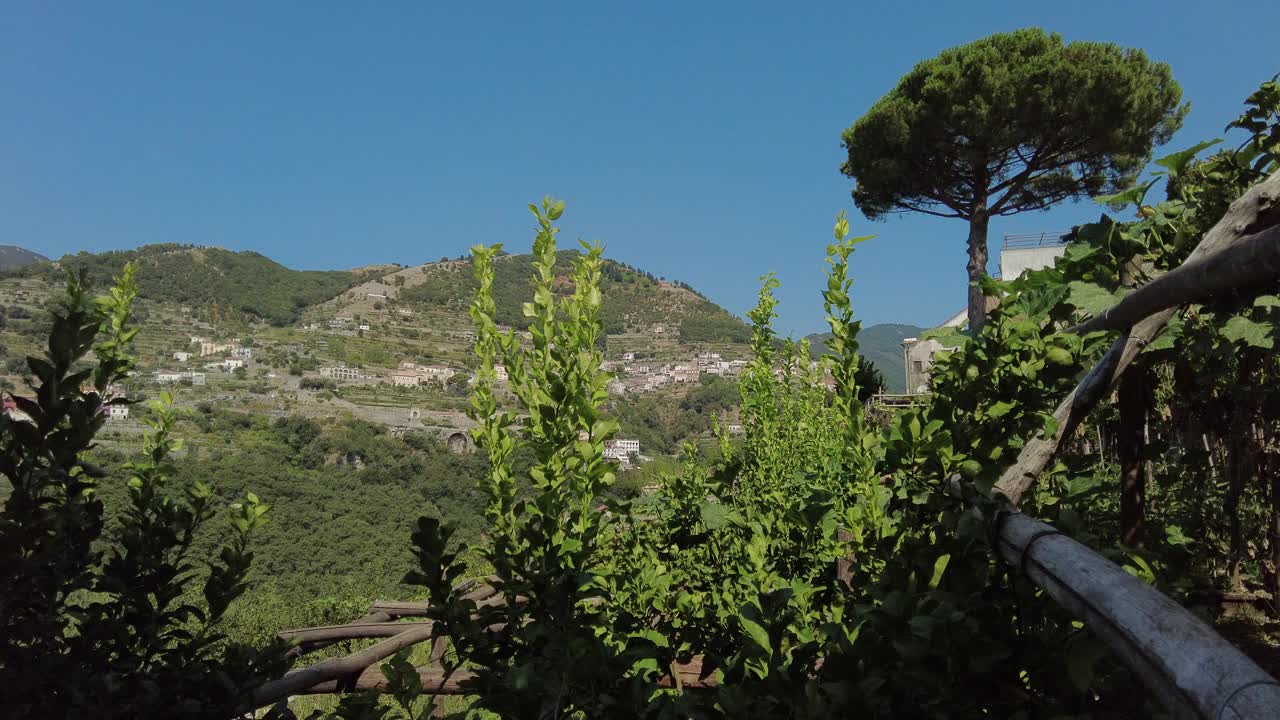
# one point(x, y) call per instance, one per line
point(1255, 211)
point(1191, 669)
point(352, 631)
point(435, 681)
point(1253, 260)
point(336, 668)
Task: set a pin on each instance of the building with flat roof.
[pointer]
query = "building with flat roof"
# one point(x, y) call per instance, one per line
point(1019, 254)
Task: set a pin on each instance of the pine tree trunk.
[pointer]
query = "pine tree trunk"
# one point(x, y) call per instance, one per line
point(1130, 441)
point(977, 268)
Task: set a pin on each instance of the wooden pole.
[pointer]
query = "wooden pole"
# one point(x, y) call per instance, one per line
point(1186, 665)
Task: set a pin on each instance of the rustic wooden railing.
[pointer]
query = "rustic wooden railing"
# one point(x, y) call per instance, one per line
point(1184, 663)
point(1191, 669)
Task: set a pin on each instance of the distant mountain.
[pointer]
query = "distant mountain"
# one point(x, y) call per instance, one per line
point(253, 285)
point(882, 345)
point(12, 256)
point(247, 283)
point(634, 300)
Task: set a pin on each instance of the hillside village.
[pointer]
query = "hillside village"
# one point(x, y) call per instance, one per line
point(375, 353)
point(371, 352)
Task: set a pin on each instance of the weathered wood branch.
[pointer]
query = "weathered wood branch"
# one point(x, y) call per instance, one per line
point(1255, 211)
point(352, 631)
point(1253, 260)
point(1073, 409)
point(1186, 665)
point(336, 668)
point(436, 681)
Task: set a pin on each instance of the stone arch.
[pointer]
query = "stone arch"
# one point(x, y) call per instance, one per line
point(458, 442)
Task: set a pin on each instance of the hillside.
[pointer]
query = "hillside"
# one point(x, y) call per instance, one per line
point(882, 345)
point(12, 257)
point(246, 283)
point(634, 301)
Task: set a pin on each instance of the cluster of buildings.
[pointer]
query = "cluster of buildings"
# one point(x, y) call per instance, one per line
point(170, 377)
point(623, 452)
point(342, 322)
point(640, 375)
point(412, 374)
point(340, 371)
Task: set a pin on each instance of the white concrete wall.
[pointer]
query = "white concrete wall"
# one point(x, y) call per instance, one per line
point(1015, 261)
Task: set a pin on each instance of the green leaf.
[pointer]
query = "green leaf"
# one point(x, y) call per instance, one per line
point(1059, 356)
point(755, 631)
point(1255, 334)
point(1000, 408)
point(716, 515)
point(939, 567)
point(1266, 301)
point(1177, 162)
point(1081, 485)
point(1090, 297)
point(1167, 337)
point(1174, 536)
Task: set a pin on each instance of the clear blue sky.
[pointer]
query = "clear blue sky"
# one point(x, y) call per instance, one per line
point(698, 140)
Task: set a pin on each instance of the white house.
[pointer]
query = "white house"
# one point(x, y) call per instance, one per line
point(621, 450)
point(181, 356)
point(364, 326)
point(242, 352)
point(440, 373)
point(213, 348)
point(168, 376)
point(340, 372)
point(405, 378)
point(117, 412)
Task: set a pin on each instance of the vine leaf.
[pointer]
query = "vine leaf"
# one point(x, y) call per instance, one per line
point(1091, 297)
point(1256, 334)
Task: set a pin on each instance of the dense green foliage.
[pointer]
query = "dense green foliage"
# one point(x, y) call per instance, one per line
point(1011, 123)
point(341, 493)
point(823, 567)
point(229, 282)
point(118, 623)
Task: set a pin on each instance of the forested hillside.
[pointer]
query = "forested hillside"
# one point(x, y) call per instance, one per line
point(236, 282)
point(634, 300)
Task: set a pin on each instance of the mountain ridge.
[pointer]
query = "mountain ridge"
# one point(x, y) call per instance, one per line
point(882, 345)
point(13, 257)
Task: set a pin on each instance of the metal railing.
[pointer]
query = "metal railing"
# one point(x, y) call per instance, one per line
point(1020, 241)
